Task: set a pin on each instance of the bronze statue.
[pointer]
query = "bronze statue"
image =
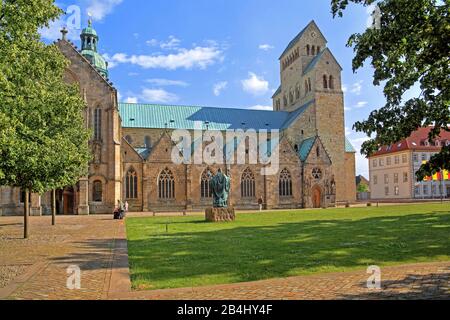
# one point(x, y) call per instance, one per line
point(220, 186)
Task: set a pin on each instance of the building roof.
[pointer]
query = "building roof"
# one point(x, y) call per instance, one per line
point(305, 148)
point(277, 92)
point(418, 140)
point(156, 116)
point(298, 37)
point(348, 146)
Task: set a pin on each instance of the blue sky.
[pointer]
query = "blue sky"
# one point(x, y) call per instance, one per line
point(220, 53)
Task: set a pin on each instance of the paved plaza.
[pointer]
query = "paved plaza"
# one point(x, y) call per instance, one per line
point(37, 269)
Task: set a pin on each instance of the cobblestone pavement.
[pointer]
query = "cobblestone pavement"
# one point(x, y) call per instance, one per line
point(37, 269)
point(43, 259)
point(420, 281)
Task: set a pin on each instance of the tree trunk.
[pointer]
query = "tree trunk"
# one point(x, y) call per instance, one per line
point(53, 207)
point(26, 214)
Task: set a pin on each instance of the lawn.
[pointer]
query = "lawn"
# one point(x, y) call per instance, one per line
point(281, 244)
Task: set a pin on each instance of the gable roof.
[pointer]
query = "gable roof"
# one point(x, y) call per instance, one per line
point(156, 116)
point(416, 141)
point(305, 148)
point(299, 36)
point(105, 80)
point(317, 58)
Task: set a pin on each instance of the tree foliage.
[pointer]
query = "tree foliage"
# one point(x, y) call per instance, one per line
point(43, 140)
point(410, 47)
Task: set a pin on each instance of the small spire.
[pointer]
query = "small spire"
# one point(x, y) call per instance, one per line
point(64, 33)
point(90, 22)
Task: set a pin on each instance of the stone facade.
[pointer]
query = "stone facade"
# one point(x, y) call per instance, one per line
point(135, 164)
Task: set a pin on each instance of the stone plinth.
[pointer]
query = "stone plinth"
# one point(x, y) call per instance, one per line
point(220, 214)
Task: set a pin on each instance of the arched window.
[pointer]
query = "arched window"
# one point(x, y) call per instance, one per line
point(131, 184)
point(248, 185)
point(313, 50)
point(285, 184)
point(307, 49)
point(318, 152)
point(297, 92)
point(325, 82)
point(331, 82)
point(98, 124)
point(97, 191)
point(285, 101)
point(291, 97)
point(166, 185)
point(309, 85)
point(205, 189)
point(318, 50)
point(306, 87)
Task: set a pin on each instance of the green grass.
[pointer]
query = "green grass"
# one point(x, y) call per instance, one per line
point(281, 244)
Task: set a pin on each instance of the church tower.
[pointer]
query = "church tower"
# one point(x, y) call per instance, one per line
point(311, 80)
point(89, 43)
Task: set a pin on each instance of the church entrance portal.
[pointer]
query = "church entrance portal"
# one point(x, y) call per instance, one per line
point(317, 197)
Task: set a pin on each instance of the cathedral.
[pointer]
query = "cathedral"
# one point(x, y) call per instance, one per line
point(132, 144)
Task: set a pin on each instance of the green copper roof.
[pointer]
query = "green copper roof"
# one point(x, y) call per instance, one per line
point(348, 146)
point(90, 31)
point(96, 60)
point(153, 116)
point(305, 148)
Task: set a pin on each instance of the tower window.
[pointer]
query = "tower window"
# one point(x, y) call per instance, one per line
point(98, 124)
point(331, 82)
point(325, 82)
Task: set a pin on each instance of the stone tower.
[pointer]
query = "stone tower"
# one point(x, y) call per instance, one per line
point(310, 75)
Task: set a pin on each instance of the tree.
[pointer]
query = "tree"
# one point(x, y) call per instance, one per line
point(43, 140)
point(362, 187)
point(409, 46)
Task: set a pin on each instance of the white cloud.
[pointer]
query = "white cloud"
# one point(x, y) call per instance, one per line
point(98, 9)
point(361, 104)
point(198, 57)
point(219, 87)
point(347, 109)
point(255, 85)
point(152, 42)
point(131, 100)
point(167, 82)
point(344, 88)
point(158, 96)
point(357, 88)
point(261, 107)
point(172, 43)
point(265, 47)
point(54, 31)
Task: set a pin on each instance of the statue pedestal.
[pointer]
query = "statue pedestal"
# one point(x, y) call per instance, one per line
point(220, 214)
